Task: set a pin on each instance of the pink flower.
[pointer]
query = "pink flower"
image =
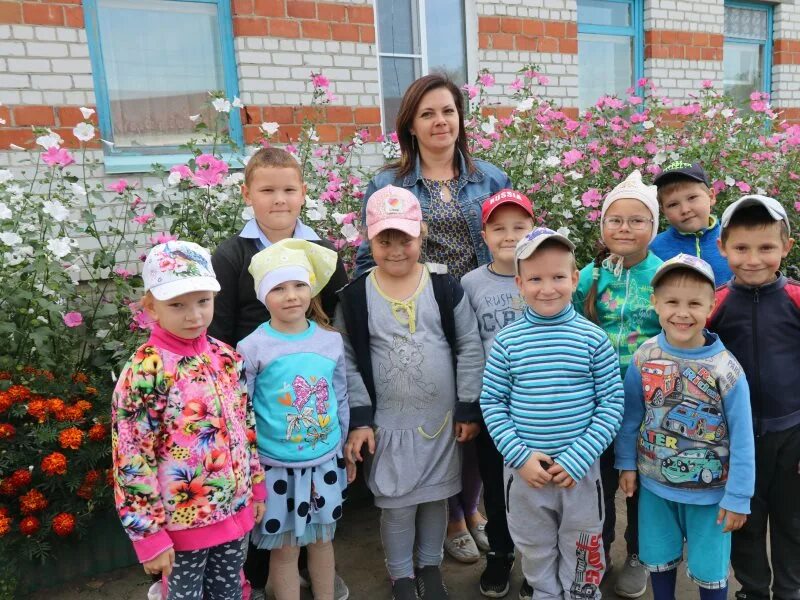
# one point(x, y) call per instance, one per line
point(55, 156)
point(210, 170)
point(624, 163)
point(73, 319)
point(119, 187)
point(634, 100)
point(593, 215)
point(642, 82)
point(144, 219)
point(141, 320)
point(330, 97)
point(318, 80)
point(758, 106)
point(353, 180)
point(571, 157)
point(718, 186)
point(486, 80)
point(339, 243)
point(123, 272)
point(591, 197)
point(136, 202)
point(637, 161)
point(393, 137)
point(162, 238)
point(472, 90)
point(184, 171)
point(651, 148)
point(291, 149)
point(542, 79)
point(594, 166)
point(743, 186)
point(797, 206)
point(707, 84)
point(517, 84)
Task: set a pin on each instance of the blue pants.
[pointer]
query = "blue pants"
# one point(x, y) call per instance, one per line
point(208, 574)
point(663, 527)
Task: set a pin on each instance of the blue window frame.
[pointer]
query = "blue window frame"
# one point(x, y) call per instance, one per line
point(747, 50)
point(610, 48)
point(153, 63)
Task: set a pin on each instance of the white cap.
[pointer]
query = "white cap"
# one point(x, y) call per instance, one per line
point(633, 187)
point(177, 268)
point(684, 261)
point(529, 244)
point(774, 208)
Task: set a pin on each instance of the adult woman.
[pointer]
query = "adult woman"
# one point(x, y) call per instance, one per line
point(436, 166)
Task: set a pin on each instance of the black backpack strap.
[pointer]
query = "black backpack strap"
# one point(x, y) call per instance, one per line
point(353, 300)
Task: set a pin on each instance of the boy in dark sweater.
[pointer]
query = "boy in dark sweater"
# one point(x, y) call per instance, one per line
point(757, 317)
point(274, 188)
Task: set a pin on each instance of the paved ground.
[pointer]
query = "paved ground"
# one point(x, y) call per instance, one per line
point(359, 559)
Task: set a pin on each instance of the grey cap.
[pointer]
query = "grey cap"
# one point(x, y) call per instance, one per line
point(774, 208)
point(528, 245)
point(684, 261)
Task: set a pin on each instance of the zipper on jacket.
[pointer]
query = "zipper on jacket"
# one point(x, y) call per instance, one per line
point(757, 376)
point(508, 491)
point(622, 310)
point(697, 244)
point(599, 500)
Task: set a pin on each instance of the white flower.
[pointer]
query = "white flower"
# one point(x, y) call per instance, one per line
point(350, 232)
point(575, 175)
point(9, 238)
point(525, 105)
point(660, 157)
point(77, 189)
point(730, 181)
point(567, 214)
point(158, 188)
point(270, 128)
point(488, 125)
point(60, 247)
point(557, 199)
point(237, 103)
point(727, 112)
point(648, 125)
point(74, 272)
point(101, 333)
point(86, 112)
point(194, 118)
point(576, 203)
point(761, 191)
point(107, 143)
point(233, 179)
point(5, 212)
point(221, 105)
point(711, 113)
point(6, 175)
point(18, 256)
point(313, 135)
point(174, 178)
point(315, 210)
point(50, 140)
point(83, 131)
point(55, 209)
point(552, 161)
point(563, 231)
point(247, 213)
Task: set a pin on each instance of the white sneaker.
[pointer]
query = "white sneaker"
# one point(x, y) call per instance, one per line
point(462, 547)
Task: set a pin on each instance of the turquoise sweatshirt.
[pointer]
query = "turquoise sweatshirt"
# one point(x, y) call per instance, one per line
point(702, 244)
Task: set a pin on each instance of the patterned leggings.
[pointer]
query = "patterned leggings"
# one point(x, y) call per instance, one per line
point(208, 574)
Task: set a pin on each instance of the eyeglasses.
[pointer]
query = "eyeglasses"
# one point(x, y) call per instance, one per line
point(635, 223)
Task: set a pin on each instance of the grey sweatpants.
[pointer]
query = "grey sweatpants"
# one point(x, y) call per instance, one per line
point(208, 574)
point(420, 528)
point(558, 533)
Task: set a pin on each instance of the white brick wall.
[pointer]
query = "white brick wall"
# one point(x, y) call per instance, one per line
point(550, 10)
point(786, 23)
point(561, 69)
point(677, 79)
point(45, 65)
point(277, 71)
point(786, 86)
point(685, 15)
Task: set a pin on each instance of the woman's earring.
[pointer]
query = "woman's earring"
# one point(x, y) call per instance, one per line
point(413, 142)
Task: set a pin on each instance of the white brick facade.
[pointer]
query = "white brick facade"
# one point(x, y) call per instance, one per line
point(546, 10)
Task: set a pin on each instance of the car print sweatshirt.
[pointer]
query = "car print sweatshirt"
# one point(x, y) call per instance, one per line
point(186, 470)
point(687, 427)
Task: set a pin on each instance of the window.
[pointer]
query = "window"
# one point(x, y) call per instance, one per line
point(610, 48)
point(747, 51)
point(416, 37)
point(154, 62)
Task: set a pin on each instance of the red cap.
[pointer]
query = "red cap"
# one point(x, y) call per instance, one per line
point(505, 196)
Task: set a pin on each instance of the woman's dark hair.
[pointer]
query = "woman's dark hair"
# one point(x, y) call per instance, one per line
point(405, 120)
point(590, 302)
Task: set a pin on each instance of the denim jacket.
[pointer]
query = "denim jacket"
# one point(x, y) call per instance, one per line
point(473, 189)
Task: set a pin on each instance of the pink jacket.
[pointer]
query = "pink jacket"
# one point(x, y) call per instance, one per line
point(186, 467)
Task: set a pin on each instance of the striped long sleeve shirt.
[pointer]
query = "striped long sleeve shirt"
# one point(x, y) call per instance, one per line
point(552, 385)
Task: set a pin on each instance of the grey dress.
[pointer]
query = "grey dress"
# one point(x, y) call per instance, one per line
point(416, 456)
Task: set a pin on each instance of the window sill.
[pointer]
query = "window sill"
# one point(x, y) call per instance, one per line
point(143, 163)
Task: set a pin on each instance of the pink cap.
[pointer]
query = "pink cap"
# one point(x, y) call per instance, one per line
point(393, 207)
point(505, 196)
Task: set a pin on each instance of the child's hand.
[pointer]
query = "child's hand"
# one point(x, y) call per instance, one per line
point(560, 476)
point(466, 431)
point(161, 564)
point(627, 483)
point(534, 474)
point(355, 441)
point(351, 471)
point(259, 509)
point(733, 521)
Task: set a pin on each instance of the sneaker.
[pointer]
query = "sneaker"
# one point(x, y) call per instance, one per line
point(404, 589)
point(632, 580)
point(340, 589)
point(430, 585)
point(478, 534)
point(494, 579)
point(462, 547)
point(526, 591)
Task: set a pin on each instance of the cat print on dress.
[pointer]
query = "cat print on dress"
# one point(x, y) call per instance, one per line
point(402, 378)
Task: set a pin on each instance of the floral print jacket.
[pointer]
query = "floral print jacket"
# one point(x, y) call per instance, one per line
point(186, 467)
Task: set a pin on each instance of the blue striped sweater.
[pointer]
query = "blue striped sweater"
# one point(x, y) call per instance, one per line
point(552, 385)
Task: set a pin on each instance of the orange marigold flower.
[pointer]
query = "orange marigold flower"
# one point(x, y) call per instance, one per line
point(7, 487)
point(54, 463)
point(55, 405)
point(5, 375)
point(5, 525)
point(71, 438)
point(97, 432)
point(63, 524)
point(38, 410)
point(32, 502)
point(70, 413)
point(92, 477)
point(84, 405)
point(19, 393)
point(91, 390)
point(6, 431)
point(21, 477)
point(5, 402)
point(29, 370)
point(80, 378)
point(85, 491)
point(47, 374)
point(29, 525)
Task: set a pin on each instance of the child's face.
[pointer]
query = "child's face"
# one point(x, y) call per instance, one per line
point(683, 306)
point(276, 195)
point(688, 206)
point(185, 316)
point(288, 303)
point(754, 253)
point(627, 228)
point(395, 252)
point(547, 280)
point(506, 226)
